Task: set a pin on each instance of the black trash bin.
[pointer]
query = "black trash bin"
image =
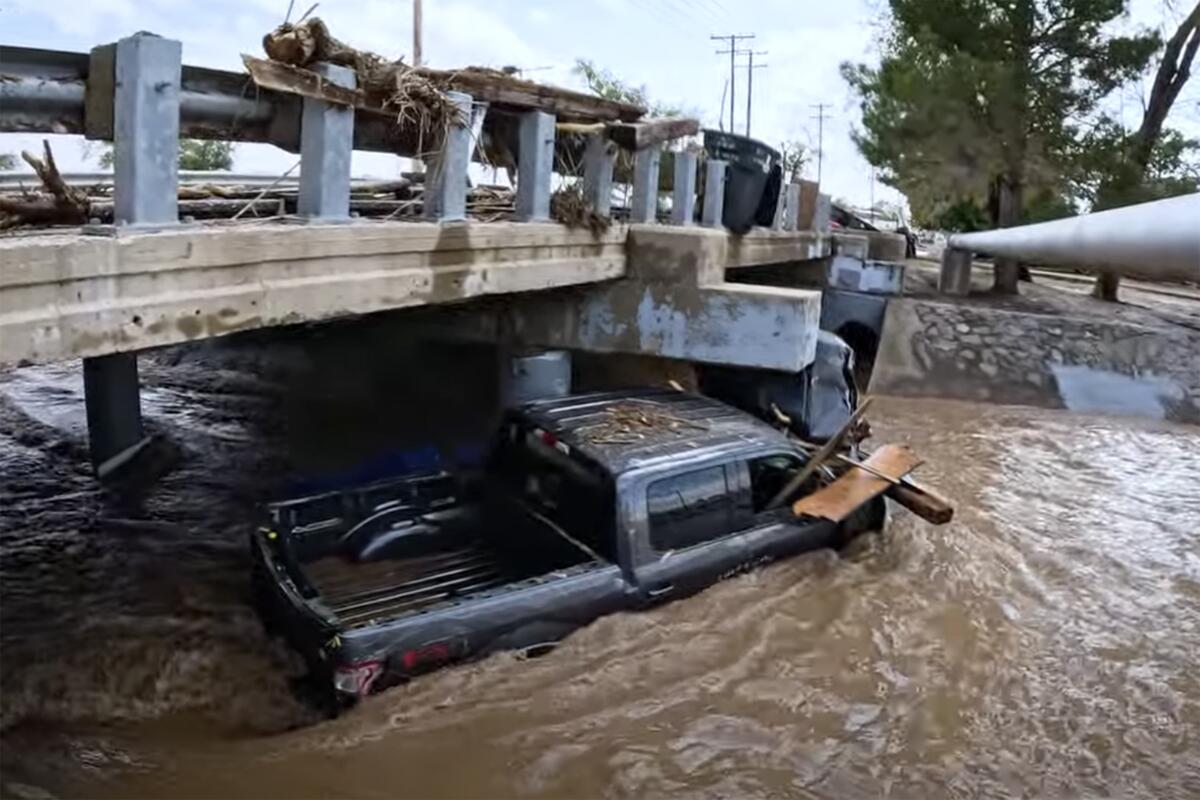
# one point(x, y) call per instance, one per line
point(748, 180)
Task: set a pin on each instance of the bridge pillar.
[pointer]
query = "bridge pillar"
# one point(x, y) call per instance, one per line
point(145, 193)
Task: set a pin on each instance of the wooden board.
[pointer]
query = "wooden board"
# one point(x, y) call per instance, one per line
point(839, 499)
point(503, 90)
point(636, 135)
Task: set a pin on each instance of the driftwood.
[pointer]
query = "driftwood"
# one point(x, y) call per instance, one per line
point(57, 204)
point(840, 499)
point(636, 135)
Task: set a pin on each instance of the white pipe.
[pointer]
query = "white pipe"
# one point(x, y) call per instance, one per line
point(1154, 240)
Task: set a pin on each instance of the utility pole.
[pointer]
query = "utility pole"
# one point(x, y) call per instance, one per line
point(416, 54)
point(734, 52)
point(820, 117)
point(750, 67)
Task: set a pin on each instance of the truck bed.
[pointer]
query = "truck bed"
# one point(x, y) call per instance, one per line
point(363, 594)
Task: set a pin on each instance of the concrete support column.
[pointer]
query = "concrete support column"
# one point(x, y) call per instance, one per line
point(780, 210)
point(823, 213)
point(955, 277)
point(598, 161)
point(326, 145)
point(714, 194)
point(683, 198)
point(446, 180)
point(644, 205)
point(145, 192)
point(535, 165)
point(791, 214)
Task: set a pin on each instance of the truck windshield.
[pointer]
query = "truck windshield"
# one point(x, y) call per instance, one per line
point(576, 496)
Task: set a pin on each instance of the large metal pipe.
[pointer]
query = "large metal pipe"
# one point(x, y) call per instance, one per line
point(1152, 240)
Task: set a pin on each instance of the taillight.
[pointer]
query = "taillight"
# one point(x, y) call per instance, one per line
point(357, 678)
point(424, 657)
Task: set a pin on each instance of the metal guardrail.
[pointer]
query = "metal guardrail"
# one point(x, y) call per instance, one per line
point(1160, 239)
point(46, 91)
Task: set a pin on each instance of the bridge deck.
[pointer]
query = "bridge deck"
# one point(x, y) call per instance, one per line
point(66, 295)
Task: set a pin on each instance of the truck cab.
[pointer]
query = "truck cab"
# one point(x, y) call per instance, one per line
point(589, 504)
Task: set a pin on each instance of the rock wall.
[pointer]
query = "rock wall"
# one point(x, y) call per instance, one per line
point(975, 352)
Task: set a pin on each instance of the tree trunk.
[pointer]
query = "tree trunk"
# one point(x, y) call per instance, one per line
point(1007, 271)
point(1173, 72)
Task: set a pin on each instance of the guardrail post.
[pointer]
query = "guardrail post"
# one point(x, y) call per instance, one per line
point(955, 276)
point(598, 161)
point(145, 193)
point(823, 213)
point(326, 146)
point(535, 165)
point(446, 180)
point(791, 216)
point(644, 205)
point(781, 210)
point(714, 193)
point(683, 199)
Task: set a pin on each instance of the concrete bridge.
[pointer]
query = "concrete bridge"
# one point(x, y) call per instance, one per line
point(104, 293)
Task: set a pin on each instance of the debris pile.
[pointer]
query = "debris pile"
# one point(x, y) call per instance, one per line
point(55, 204)
point(626, 423)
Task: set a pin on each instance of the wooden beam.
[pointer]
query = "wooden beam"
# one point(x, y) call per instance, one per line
point(504, 90)
point(294, 80)
point(841, 498)
point(636, 135)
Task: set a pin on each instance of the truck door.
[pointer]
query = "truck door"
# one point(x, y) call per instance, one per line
point(688, 542)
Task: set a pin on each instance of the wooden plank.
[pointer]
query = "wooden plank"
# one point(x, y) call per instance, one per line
point(820, 457)
point(636, 135)
point(841, 498)
point(294, 80)
point(505, 90)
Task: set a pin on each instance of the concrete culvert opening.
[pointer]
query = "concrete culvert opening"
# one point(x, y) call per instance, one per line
point(865, 343)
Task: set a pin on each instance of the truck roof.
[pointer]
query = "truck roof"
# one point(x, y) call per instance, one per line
point(629, 428)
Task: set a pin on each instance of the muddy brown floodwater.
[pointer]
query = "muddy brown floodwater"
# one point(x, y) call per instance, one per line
point(1042, 645)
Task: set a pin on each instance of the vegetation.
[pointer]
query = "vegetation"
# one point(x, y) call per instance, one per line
point(978, 101)
point(7, 161)
point(197, 154)
point(794, 157)
point(603, 83)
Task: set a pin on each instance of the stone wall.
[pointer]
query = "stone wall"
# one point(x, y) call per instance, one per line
point(976, 352)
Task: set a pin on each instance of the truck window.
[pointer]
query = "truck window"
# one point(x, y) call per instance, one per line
point(769, 474)
point(688, 509)
point(575, 496)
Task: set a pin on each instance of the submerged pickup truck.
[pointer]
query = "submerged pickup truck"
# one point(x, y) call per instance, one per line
point(587, 505)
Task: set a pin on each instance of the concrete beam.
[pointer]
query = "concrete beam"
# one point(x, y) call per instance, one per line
point(71, 295)
point(535, 166)
point(326, 145)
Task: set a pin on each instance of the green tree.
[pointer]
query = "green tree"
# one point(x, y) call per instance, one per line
point(197, 154)
point(976, 99)
point(7, 161)
point(603, 83)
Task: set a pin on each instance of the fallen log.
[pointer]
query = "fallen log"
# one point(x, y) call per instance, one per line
point(58, 204)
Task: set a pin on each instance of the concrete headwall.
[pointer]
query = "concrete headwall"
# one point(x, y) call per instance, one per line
point(935, 349)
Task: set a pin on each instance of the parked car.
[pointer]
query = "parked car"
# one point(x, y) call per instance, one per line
point(588, 504)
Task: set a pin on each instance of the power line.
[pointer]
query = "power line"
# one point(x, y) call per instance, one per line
point(734, 52)
point(750, 67)
point(820, 117)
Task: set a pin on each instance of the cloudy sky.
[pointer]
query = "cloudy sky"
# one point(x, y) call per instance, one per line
point(663, 44)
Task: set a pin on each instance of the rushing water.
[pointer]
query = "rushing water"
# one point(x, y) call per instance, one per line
point(1043, 644)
